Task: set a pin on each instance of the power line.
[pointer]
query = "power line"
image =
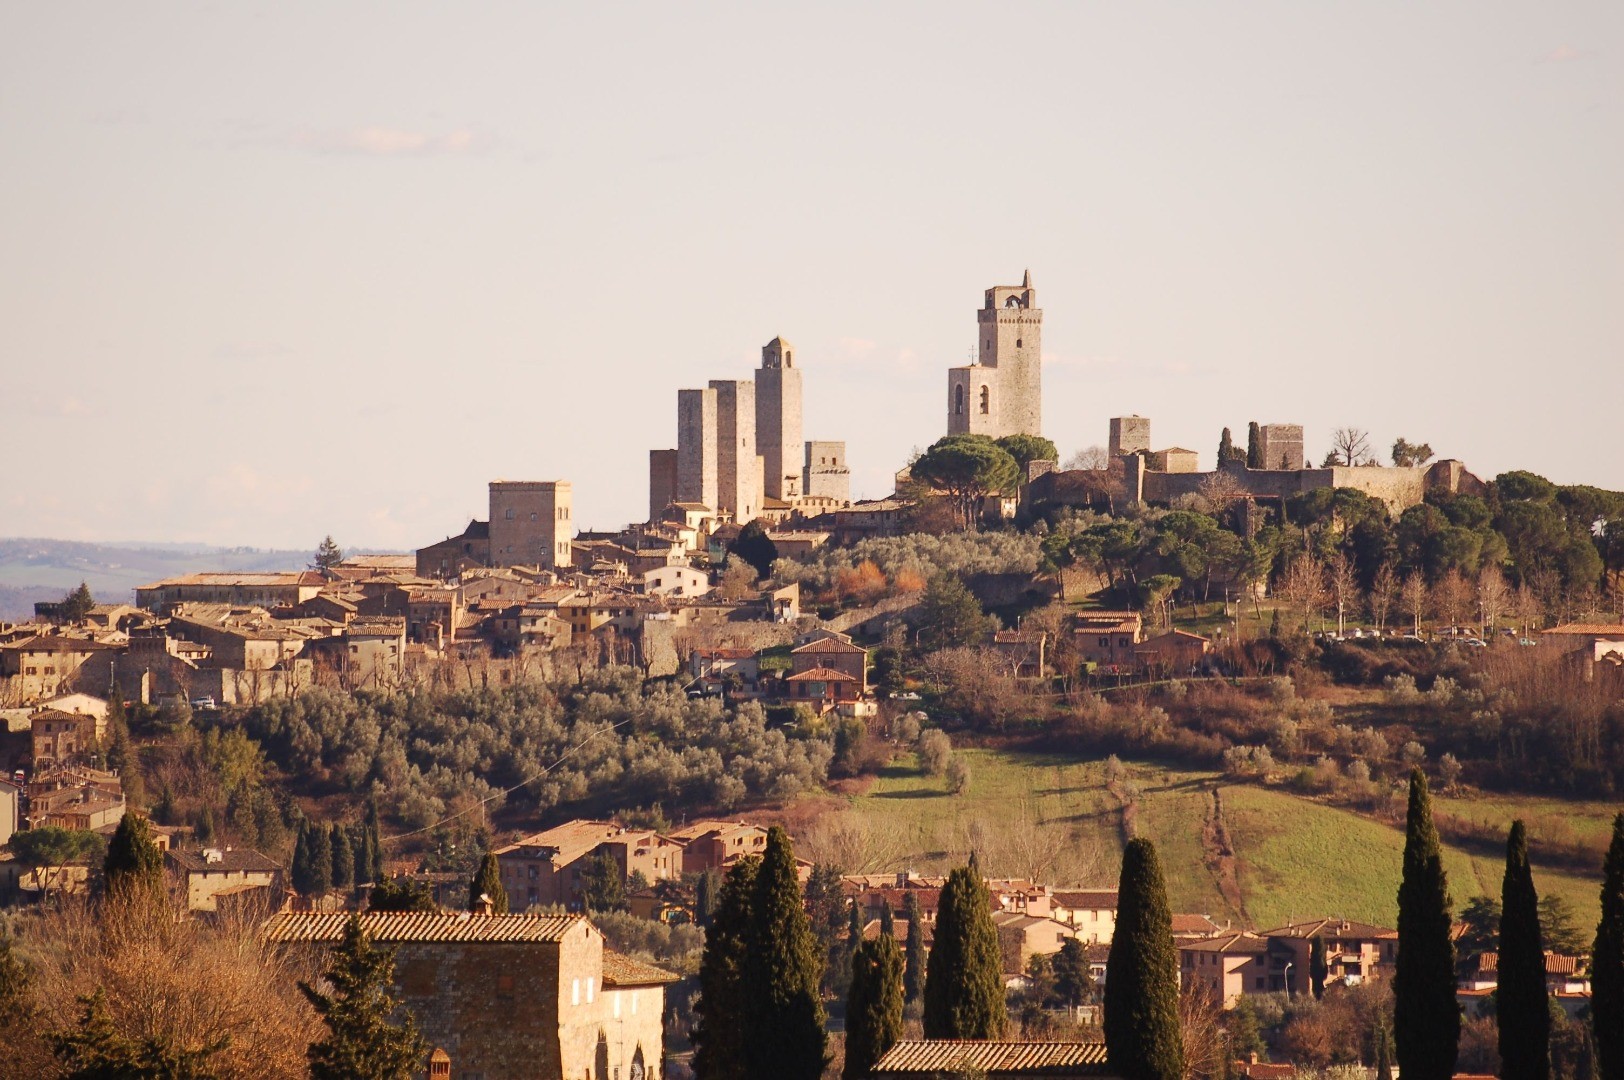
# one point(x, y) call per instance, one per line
point(508, 791)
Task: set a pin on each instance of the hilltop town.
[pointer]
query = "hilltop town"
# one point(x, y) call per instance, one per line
point(1027, 700)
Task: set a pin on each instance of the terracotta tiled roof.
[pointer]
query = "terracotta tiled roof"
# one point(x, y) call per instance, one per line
point(1329, 928)
point(1194, 924)
point(1089, 899)
point(1588, 629)
point(621, 970)
point(828, 645)
point(1228, 943)
point(231, 861)
point(399, 926)
point(822, 674)
point(1265, 1070)
point(1555, 963)
point(927, 1056)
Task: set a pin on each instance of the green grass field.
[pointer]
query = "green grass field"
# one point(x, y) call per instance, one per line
point(1294, 857)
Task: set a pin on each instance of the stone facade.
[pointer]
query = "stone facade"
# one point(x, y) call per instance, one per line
point(825, 474)
point(1280, 446)
point(1129, 435)
point(662, 481)
point(531, 523)
point(513, 995)
point(1174, 459)
point(778, 421)
point(696, 448)
point(1002, 392)
point(738, 466)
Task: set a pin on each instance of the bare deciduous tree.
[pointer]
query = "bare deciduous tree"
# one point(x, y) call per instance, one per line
point(1349, 446)
point(1383, 592)
point(1092, 458)
point(1493, 595)
point(1451, 598)
point(1414, 597)
point(1339, 578)
point(1303, 586)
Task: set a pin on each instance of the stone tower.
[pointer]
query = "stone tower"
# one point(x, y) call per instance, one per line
point(531, 523)
point(1129, 435)
point(738, 467)
point(696, 447)
point(826, 474)
point(1002, 392)
point(778, 420)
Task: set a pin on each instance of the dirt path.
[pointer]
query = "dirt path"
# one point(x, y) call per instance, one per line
point(1219, 856)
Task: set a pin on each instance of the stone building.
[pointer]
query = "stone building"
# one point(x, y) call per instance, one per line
point(204, 875)
point(531, 523)
point(778, 421)
point(512, 995)
point(738, 466)
point(36, 668)
point(1002, 392)
point(550, 867)
point(696, 448)
point(1129, 435)
point(825, 474)
point(244, 590)
point(662, 482)
point(1280, 446)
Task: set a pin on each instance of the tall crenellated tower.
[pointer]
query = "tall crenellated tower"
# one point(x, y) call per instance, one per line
point(778, 420)
point(1002, 393)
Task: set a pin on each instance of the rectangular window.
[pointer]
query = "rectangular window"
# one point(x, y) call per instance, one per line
point(575, 991)
point(589, 982)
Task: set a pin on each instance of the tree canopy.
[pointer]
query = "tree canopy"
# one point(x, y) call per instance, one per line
point(363, 1041)
point(964, 985)
point(1426, 1018)
point(967, 468)
point(1142, 1034)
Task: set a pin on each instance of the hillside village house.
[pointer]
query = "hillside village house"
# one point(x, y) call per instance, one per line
point(206, 875)
point(549, 867)
point(57, 736)
point(1090, 912)
point(717, 845)
point(501, 996)
point(1177, 652)
point(42, 666)
point(836, 653)
point(1226, 966)
point(235, 589)
point(1353, 951)
point(1022, 651)
point(11, 813)
point(1106, 639)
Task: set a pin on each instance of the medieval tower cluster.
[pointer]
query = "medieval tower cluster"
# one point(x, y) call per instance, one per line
point(740, 451)
point(1002, 392)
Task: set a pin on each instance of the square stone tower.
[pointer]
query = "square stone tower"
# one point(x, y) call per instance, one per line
point(531, 523)
point(1129, 435)
point(1002, 392)
point(1281, 446)
point(826, 473)
point(696, 447)
point(738, 467)
point(662, 481)
point(778, 420)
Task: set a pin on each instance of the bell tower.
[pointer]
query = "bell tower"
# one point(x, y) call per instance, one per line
point(1002, 392)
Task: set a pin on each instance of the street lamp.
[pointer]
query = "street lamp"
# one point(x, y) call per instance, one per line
point(1289, 966)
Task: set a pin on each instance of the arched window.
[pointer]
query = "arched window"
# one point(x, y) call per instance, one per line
point(986, 401)
point(1017, 343)
point(1013, 301)
point(958, 401)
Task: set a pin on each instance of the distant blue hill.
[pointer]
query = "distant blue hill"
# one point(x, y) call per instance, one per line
point(36, 569)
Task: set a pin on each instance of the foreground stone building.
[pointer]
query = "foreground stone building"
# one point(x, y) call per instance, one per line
point(533, 996)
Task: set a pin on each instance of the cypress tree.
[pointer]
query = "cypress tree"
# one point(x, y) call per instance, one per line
point(361, 1041)
point(888, 920)
point(705, 896)
point(1523, 1006)
point(874, 1005)
point(913, 977)
point(783, 972)
point(1254, 446)
point(321, 860)
point(719, 1037)
point(300, 870)
point(343, 859)
point(374, 842)
point(488, 883)
point(1426, 1018)
point(1607, 962)
point(134, 867)
point(1384, 1053)
point(1142, 1036)
point(1226, 447)
point(360, 856)
point(1318, 967)
point(964, 982)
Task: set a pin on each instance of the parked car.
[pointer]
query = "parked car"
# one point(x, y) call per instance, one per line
point(205, 702)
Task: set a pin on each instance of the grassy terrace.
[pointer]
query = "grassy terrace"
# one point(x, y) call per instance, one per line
point(1294, 857)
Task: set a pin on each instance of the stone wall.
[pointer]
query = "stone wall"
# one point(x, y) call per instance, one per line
point(696, 447)
point(738, 467)
point(778, 420)
point(826, 474)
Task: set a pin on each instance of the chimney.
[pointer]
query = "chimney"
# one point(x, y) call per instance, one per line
point(484, 905)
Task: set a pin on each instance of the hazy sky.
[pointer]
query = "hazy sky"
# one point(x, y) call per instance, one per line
point(270, 272)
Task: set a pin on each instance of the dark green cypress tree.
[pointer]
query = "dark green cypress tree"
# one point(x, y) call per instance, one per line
point(134, 867)
point(1426, 1018)
point(719, 1036)
point(300, 870)
point(888, 920)
point(854, 926)
point(1384, 1053)
point(783, 973)
point(374, 842)
point(488, 883)
point(343, 860)
point(1254, 446)
point(1522, 1004)
point(964, 982)
point(1142, 1036)
point(321, 860)
point(361, 858)
point(874, 1005)
point(362, 1042)
point(1318, 967)
point(705, 897)
point(1226, 447)
point(913, 976)
point(1607, 962)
